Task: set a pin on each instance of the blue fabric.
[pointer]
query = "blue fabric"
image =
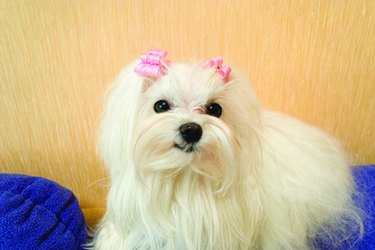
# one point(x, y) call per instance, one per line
point(364, 177)
point(36, 213)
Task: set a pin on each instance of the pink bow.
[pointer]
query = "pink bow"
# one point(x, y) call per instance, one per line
point(153, 64)
point(217, 62)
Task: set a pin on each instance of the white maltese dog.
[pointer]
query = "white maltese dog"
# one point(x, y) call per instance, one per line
point(195, 163)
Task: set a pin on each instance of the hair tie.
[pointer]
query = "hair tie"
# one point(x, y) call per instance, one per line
point(153, 64)
point(216, 63)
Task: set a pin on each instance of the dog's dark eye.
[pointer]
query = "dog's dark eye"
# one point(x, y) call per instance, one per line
point(214, 109)
point(161, 106)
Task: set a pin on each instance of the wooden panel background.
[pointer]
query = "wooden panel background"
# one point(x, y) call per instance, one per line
point(312, 59)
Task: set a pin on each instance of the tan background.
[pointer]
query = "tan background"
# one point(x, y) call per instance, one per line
point(312, 59)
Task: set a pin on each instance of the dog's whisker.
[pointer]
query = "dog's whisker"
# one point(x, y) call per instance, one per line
point(102, 182)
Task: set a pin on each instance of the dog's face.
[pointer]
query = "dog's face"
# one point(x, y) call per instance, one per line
point(189, 119)
point(186, 120)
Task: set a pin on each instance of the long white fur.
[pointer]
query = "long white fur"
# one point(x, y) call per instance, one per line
point(258, 179)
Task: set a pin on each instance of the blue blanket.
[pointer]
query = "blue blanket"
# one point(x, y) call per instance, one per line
point(365, 179)
point(36, 213)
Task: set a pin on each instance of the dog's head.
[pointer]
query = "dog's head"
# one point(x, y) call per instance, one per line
point(167, 118)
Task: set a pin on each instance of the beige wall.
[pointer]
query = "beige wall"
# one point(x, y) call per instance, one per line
point(312, 59)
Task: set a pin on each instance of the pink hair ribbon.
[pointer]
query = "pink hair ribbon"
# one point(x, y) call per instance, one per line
point(217, 63)
point(153, 64)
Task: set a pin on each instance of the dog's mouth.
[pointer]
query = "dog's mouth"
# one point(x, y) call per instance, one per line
point(187, 148)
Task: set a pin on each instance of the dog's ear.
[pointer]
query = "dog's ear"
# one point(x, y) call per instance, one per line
point(119, 119)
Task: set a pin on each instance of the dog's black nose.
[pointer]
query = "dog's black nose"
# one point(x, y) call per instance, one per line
point(191, 132)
